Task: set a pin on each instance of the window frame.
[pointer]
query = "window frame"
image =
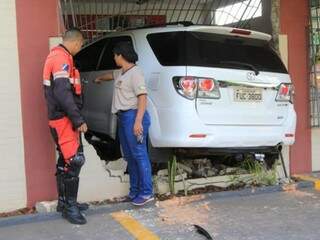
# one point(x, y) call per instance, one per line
point(192, 35)
point(86, 49)
point(110, 38)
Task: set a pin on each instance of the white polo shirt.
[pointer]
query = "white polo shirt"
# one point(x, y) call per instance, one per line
point(127, 87)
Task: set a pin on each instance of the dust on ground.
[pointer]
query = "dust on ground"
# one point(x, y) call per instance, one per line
point(184, 210)
point(291, 188)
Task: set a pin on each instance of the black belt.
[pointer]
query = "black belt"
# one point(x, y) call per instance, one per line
point(122, 111)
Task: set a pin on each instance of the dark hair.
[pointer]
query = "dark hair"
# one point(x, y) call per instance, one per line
point(126, 50)
point(72, 34)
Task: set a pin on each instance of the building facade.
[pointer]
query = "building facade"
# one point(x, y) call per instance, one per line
point(27, 152)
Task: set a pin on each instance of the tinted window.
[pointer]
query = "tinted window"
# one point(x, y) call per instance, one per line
point(214, 50)
point(87, 59)
point(107, 60)
point(169, 48)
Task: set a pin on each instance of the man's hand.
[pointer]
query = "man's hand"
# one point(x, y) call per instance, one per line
point(83, 128)
point(137, 128)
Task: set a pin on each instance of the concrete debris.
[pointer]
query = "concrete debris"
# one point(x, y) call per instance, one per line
point(184, 211)
point(291, 188)
point(232, 170)
point(162, 173)
point(184, 168)
point(204, 167)
point(198, 167)
point(199, 173)
point(162, 186)
point(46, 206)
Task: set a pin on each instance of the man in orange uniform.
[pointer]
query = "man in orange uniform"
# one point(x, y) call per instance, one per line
point(63, 95)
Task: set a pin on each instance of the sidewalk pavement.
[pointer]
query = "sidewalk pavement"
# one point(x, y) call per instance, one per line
point(265, 213)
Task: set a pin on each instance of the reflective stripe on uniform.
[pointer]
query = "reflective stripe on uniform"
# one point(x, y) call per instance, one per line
point(77, 81)
point(47, 82)
point(62, 74)
point(74, 80)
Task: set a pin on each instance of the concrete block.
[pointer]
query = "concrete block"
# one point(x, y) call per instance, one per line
point(162, 185)
point(184, 167)
point(162, 173)
point(46, 206)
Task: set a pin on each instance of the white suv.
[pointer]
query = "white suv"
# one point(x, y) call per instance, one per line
point(209, 88)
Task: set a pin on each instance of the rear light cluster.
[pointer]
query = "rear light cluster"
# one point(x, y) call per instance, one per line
point(192, 87)
point(285, 93)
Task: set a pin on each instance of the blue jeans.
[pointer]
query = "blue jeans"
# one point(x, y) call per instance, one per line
point(136, 154)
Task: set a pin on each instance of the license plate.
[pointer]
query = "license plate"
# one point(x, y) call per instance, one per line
point(247, 95)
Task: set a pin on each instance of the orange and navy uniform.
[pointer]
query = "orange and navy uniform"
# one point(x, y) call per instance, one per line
point(62, 89)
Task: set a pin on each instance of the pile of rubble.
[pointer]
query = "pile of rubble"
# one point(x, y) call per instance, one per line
point(193, 174)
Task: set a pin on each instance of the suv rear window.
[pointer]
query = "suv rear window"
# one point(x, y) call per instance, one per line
point(214, 50)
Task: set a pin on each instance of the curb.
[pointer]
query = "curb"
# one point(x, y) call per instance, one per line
point(315, 181)
point(40, 217)
point(256, 191)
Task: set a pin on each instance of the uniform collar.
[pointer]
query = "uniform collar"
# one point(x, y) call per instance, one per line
point(64, 48)
point(124, 72)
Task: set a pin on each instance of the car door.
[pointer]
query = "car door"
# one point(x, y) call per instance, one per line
point(87, 61)
point(98, 97)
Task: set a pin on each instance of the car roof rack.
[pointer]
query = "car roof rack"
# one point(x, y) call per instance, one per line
point(184, 23)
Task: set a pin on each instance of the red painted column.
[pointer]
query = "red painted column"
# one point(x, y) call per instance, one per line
point(36, 21)
point(294, 16)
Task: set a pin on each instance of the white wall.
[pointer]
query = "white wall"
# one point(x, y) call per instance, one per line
point(315, 145)
point(283, 48)
point(12, 167)
point(99, 181)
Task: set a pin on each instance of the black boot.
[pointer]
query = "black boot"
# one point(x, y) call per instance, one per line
point(71, 211)
point(61, 191)
point(61, 197)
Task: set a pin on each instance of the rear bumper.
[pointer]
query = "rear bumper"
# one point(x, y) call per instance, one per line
point(172, 129)
point(222, 151)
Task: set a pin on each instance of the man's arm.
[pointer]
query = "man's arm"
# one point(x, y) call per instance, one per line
point(142, 104)
point(104, 77)
point(140, 90)
point(62, 91)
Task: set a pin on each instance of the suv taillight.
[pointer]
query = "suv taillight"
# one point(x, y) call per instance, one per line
point(208, 88)
point(285, 92)
point(191, 87)
point(188, 86)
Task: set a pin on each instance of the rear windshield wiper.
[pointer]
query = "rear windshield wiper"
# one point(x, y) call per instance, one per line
point(256, 71)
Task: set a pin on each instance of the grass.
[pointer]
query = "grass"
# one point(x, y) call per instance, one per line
point(172, 170)
point(260, 175)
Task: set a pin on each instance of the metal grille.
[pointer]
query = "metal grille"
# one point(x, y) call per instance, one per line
point(98, 17)
point(314, 62)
